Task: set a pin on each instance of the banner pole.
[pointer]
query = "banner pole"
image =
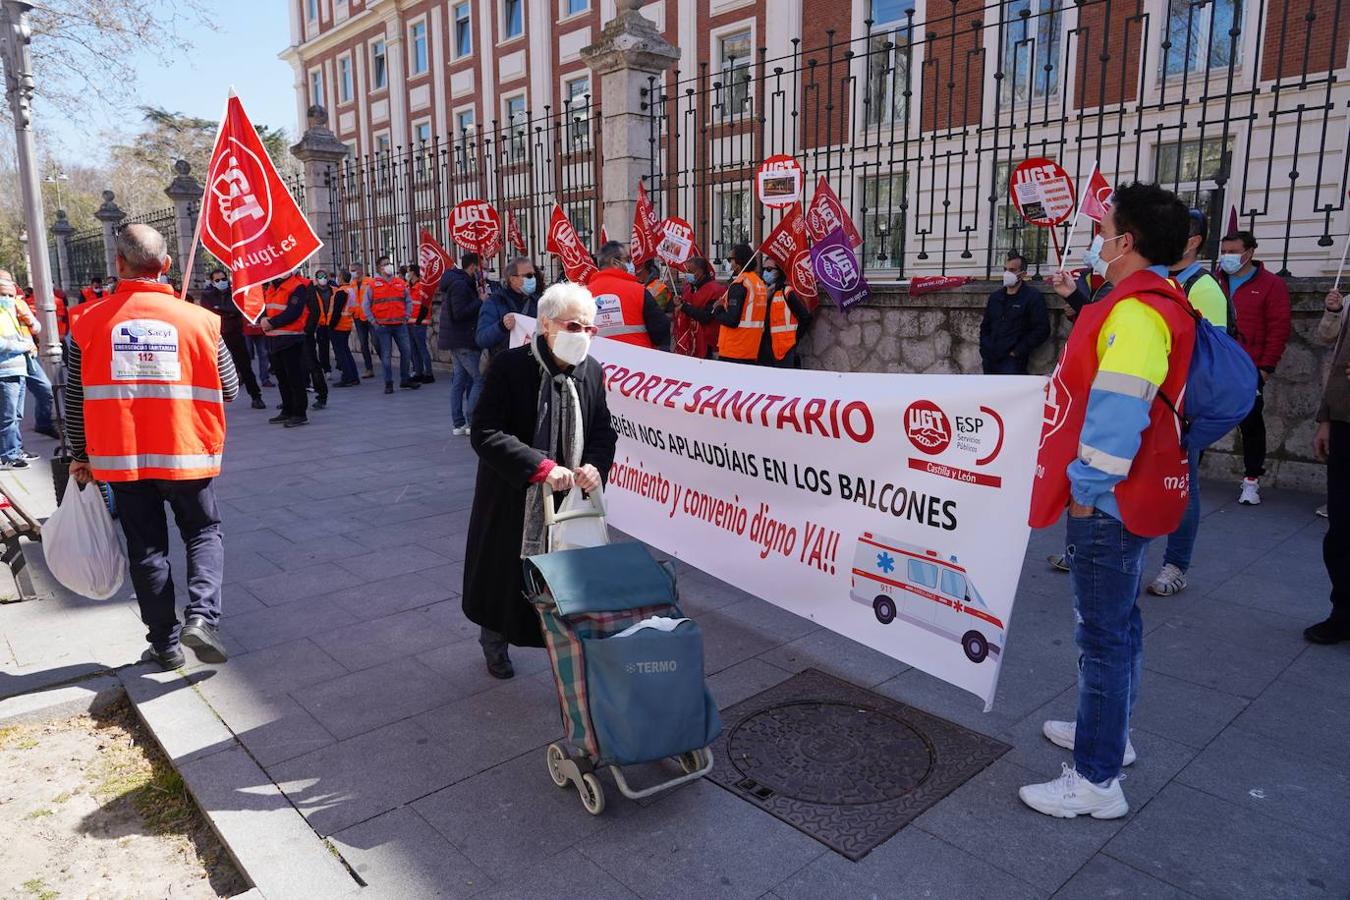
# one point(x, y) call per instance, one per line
point(1073, 228)
point(1055, 237)
point(1340, 270)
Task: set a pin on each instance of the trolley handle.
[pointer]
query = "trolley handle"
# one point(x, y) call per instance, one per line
point(553, 517)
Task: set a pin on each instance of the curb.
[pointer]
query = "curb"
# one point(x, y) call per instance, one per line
point(67, 701)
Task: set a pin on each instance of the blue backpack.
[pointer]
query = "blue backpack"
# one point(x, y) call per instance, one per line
point(1220, 386)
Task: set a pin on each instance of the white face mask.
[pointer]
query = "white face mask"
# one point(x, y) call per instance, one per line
point(630, 268)
point(1010, 279)
point(321, 280)
point(220, 285)
point(570, 347)
point(1099, 265)
point(1230, 262)
point(388, 270)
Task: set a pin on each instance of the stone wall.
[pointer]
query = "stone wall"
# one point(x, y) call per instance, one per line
point(940, 333)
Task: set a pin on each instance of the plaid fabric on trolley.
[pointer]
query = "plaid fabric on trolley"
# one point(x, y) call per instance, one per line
point(564, 637)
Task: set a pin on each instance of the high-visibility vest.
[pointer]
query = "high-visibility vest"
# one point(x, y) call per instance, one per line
point(325, 306)
point(782, 325)
point(742, 342)
point(387, 302)
point(422, 293)
point(354, 301)
point(618, 307)
point(153, 403)
point(344, 319)
point(275, 299)
point(661, 293)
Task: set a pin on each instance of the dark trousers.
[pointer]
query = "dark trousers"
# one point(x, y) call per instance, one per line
point(342, 355)
point(1336, 545)
point(1253, 430)
point(243, 364)
point(140, 509)
point(1008, 365)
point(314, 363)
point(321, 348)
point(291, 373)
point(363, 330)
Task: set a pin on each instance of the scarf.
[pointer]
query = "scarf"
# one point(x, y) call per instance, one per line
point(557, 424)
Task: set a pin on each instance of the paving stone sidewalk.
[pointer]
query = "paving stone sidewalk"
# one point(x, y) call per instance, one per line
point(357, 688)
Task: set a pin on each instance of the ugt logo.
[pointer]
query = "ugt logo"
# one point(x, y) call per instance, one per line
point(242, 204)
point(927, 427)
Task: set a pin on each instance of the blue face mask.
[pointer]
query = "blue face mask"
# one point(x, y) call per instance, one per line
point(632, 270)
point(529, 285)
point(770, 276)
point(1093, 253)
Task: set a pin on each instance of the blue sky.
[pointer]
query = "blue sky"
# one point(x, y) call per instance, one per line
point(243, 53)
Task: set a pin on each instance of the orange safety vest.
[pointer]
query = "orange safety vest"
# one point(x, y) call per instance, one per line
point(275, 299)
point(660, 292)
point(618, 307)
point(742, 342)
point(359, 291)
point(153, 402)
point(325, 307)
point(387, 303)
point(422, 292)
point(344, 319)
point(782, 325)
point(89, 294)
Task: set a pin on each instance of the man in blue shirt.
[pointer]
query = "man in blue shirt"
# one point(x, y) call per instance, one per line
point(1016, 322)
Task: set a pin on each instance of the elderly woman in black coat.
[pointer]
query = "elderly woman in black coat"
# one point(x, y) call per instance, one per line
point(541, 426)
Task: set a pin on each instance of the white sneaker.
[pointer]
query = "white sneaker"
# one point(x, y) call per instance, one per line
point(1061, 734)
point(1171, 580)
point(1322, 510)
point(1071, 795)
point(460, 430)
point(1251, 492)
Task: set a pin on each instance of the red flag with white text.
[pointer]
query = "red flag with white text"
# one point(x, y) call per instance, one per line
point(642, 243)
point(787, 245)
point(1097, 197)
point(250, 222)
point(563, 241)
point(514, 237)
point(826, 213)
point(433, 259)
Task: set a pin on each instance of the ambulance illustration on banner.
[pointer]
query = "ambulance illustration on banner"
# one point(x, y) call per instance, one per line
point(926, 590)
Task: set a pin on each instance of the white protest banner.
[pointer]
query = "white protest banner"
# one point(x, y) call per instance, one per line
point(891, 509)
point(522, 332)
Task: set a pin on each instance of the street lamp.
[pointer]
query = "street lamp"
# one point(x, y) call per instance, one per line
point(56, 177)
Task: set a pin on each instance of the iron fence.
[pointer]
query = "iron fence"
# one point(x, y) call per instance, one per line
point(380, 202)
point(84, 253)
point(916, 124)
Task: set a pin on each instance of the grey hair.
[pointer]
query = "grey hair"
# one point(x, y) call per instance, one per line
point(611, 254)
point(565, 296)
point(143, 249)
point(513, 267)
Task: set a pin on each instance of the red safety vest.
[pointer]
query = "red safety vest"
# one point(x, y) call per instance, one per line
point(742, 342)
point(386, 300)
point(275, 299)
point(153, 406)
point(618, 307)
point(1153, 495)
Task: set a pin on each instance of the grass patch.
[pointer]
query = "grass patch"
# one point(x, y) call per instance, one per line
point(41, 813)
point(38, 888)
point(27, 742)
point(148, 782)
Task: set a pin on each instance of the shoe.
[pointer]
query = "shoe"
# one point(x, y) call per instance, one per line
point(17, 462)
point(1061, 735)
point(50, 432)
point(1059, 562)
point(29, 455)
point(499, 664)
point(321, 404)
point(203, 640)
point(268, 384)
point(388, 387)
point(460, 430)
point(169, 659)
point(428, 379)
point(368, 374)
point(409, 385)
point(279, 420)
point(1171, 580)
point(348, 383)
point(1322, 510)
point(259, 403)
point(1071, 795)
point(297, 421)
point(1327, 632)
point(1251, 492)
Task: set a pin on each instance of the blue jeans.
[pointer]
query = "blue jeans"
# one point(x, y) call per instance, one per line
point(11, 414)
point(465, 385)
point(1181, 543)
point(41, 386)
point(257, 349)
point(421, 352)
point(342, 356)
point(1105, 566)
point(385, 337)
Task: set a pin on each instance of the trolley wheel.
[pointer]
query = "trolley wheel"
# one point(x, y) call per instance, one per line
point(556, 754)
point(592, 794)
point(690, 762)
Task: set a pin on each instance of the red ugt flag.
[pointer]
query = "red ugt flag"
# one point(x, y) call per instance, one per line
point(642, 243)
point(563, 241)
point(1097, 197)
point(433, 259)
point(249, 220)
point(513, 235)
point(826, 214)
point(786, 244)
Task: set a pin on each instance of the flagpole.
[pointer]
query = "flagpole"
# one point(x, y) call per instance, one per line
point(1068, 241)
point(1340, 270)
point(197, 230)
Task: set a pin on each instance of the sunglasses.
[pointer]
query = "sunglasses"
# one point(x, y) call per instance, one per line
point(576, 327)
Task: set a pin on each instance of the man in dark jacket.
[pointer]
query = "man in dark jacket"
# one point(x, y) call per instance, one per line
point(319, 303)
point(514, 296)
point(460, 303)
point(1016, 322)
point(216, 297)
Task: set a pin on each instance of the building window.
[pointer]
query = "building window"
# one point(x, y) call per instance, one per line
point(463, 30)
point(379, 71)
point(733, 219)
point(422, 133)
point(382, 143)
point(1198, 38)
point(1031, 44)
point(464, 122)
point(316, 88)
point(573, 7)
point(577, 108)
point(418, 39)
point(311, 9)
point(516, 118)
point(888, 59)
point(1192, 170)
point(733, 64)
point(883, 200)
point(579, 214)
point(1011, 231)
point(513, 19)
point(344, 73)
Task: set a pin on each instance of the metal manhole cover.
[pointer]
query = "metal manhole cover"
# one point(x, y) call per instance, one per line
point(835, 753)
point(846, 766)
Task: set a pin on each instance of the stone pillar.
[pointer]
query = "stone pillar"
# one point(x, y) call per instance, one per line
point(61, 232)
point(109, 214)
point(629, 51)
point(320, 151)
point(186, 193)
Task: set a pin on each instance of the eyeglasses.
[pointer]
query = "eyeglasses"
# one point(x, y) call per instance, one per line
point(576, 327)
point(523, 275)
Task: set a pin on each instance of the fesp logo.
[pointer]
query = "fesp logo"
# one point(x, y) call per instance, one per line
point(927, 427)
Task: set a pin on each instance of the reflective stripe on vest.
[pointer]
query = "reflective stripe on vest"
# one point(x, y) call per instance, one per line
point(174, 461)
point(344, 319)
point(143, 391)
point(387, 302)
point(276, 301)
point(742, 342)
point(782, 325)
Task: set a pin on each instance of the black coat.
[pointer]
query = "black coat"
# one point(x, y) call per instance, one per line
point(503, 428)
point(1014, 325)
point(459, 311)
point(222, 304)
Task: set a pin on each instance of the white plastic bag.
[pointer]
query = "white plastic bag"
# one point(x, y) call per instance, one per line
point(576, 534)
point(81, 544)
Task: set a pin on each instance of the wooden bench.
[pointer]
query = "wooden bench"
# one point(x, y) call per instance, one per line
point(17, 522)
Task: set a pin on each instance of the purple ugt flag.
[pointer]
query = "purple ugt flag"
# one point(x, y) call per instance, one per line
point(836, 269)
